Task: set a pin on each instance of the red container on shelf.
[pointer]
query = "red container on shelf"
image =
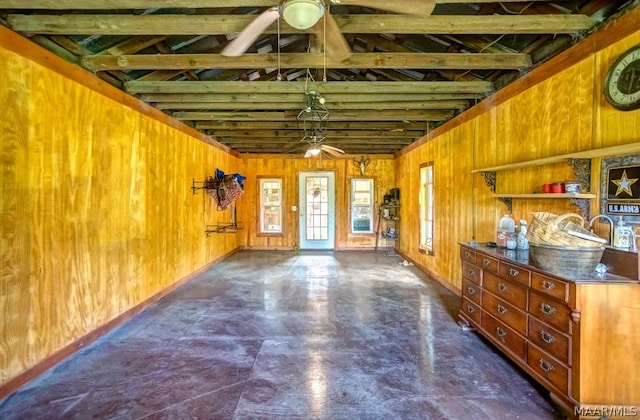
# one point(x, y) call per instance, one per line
point(557, 187)
point(546, 188)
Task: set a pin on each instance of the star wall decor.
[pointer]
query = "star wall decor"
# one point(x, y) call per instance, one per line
point(624, 184)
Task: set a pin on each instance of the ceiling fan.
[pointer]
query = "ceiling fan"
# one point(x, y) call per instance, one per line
point(317, 148)
point(307, 14)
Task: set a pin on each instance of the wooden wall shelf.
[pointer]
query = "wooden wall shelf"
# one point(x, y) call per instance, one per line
point(542, 195)
point(624, 149)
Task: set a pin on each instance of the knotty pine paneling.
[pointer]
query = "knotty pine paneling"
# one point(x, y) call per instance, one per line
point(564, 113)
point(381, 169)
point(97, 211)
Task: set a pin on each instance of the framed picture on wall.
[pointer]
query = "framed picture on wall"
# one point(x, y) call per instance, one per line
point(622, 193)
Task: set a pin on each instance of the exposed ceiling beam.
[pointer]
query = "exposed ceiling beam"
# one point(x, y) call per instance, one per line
point(301, 98)
point(163, 24)
point(393, 115)
point(288, 134)
point(145, 4)
point(333, 106)
point(284, 125)
point(134, 87)
point(334, 141)
point(302, 60)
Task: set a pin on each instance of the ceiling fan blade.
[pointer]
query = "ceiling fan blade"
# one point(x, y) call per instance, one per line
point(326, 146)
point(406, 7)
point(332, 150)
point(334, 42)
point(247, 37)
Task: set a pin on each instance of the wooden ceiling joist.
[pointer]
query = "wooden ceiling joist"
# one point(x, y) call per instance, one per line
point(288, 134)
point(284, 125)
point(301, 98)
point(144, 4)
point(323, 88)
point(332, 106)
point(393, 115)
point(162, 24)
point(304, 60)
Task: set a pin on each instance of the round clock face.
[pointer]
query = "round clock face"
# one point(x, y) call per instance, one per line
point(622, 85)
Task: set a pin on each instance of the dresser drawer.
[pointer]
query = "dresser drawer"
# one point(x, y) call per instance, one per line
point(513, 272)
point(512, 292)
point(487, 263)
point(550, 311)
point(471, 311)
point(549, 368)
point(505, 336)
point(467, 254)
point(471, 291)
point(471, 272)
point(550, 340)
point(505, 312)
point(550, 286)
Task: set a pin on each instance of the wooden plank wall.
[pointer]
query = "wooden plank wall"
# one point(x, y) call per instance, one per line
point(381, 169)
point(564, 113)
point(97, 213)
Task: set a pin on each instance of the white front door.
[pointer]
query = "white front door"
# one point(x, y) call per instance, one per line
point(317, 210)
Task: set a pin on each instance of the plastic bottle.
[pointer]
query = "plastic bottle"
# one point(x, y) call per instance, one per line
point(621, 235)
point(523, 242)
point(506, 225)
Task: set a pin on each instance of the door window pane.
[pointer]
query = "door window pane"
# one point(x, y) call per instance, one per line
point(317, 193)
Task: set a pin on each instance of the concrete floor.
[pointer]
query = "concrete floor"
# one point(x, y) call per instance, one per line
point(285, 335)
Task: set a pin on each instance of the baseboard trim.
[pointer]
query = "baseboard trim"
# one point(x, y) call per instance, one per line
point(450, 287)
point(15, 383)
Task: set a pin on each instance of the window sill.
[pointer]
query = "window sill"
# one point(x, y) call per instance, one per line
point(425, 251)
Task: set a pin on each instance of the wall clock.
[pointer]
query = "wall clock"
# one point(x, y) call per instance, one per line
point(622, 85)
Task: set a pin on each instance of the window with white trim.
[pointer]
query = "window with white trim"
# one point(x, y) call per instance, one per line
point(361, 205)
point(270, 205)
point(426, 207)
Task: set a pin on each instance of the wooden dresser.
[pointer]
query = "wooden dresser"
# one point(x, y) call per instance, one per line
point(579, 338)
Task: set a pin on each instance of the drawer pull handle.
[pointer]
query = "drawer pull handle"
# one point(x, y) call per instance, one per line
point(502, 287)
point(546, 337)
point(548, 285)
point(467, 254)
point(500, 332)
point(470, 309)
point(502, 310)
point(546, 366)
point(547, 309)
point(470, 290)
point(470, 273)
point(486, 262)
point(513, 272)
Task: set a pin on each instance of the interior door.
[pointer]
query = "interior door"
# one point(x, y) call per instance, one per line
point(317, 210)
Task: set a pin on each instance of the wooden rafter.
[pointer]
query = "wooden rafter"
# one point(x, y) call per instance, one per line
point(393, 115)
point(161, 24)
point(301, 87)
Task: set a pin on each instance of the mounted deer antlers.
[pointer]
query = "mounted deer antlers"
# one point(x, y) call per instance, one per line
point(361, 162)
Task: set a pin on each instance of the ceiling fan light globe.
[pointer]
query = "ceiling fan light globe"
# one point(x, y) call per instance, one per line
point(302, 14)
point(314, 151)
